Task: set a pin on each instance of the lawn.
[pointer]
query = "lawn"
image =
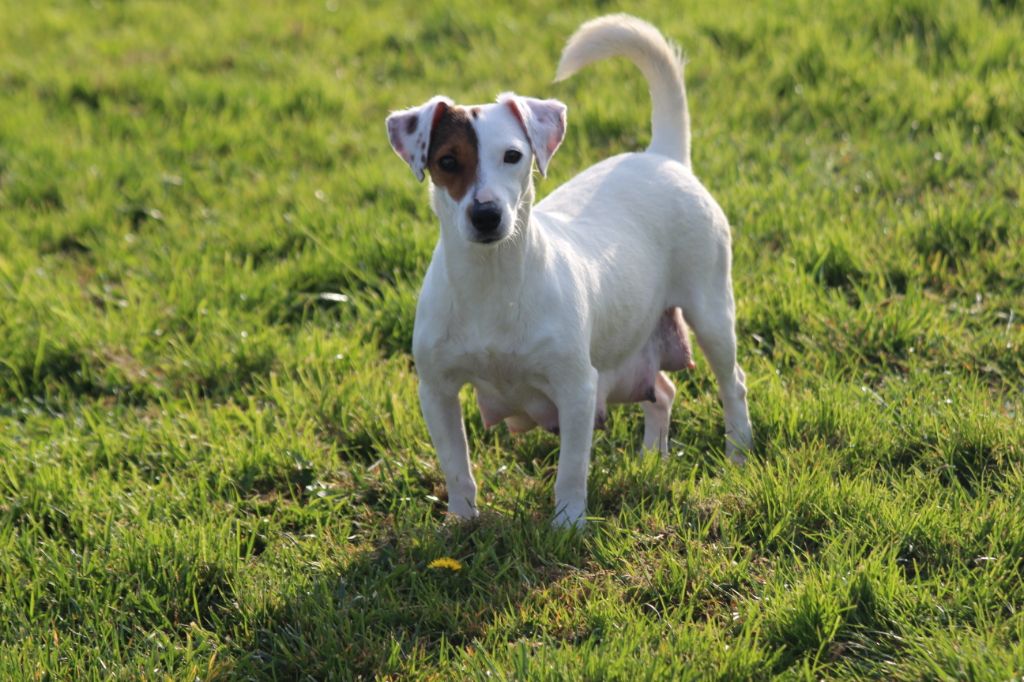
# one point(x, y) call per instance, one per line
point(212, 461)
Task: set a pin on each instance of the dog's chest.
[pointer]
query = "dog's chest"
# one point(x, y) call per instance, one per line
point(512, 371)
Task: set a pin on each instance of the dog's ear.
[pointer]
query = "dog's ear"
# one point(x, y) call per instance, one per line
point(409, 131)
point(544, 123)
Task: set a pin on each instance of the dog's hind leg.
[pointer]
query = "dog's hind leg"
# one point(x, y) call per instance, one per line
point(657, 414)
point(712, 316)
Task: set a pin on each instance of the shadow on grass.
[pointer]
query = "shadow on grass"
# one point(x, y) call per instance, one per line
point(389, 608)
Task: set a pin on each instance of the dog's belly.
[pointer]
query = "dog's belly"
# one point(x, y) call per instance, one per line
point(522, 406)
point(668, 348)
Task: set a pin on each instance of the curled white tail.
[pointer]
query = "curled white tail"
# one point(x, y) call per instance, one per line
point(660, 62)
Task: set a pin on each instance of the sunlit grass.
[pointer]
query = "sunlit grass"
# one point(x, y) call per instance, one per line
point(212, 462)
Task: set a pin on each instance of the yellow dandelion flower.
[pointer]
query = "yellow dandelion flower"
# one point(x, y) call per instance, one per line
point(446, 562)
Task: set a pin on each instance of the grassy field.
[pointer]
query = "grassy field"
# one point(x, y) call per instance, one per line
point(212, 462)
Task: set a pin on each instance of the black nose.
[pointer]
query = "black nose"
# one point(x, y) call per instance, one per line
point(486, 217)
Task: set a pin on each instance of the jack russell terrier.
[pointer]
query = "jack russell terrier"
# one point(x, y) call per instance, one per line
point(554, 311)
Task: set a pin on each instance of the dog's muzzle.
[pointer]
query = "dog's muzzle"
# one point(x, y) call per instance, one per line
point(486, 218)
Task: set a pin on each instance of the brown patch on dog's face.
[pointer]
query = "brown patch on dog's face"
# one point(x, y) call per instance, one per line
point(453, 154)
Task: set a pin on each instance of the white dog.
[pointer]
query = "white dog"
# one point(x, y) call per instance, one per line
point(553, 311)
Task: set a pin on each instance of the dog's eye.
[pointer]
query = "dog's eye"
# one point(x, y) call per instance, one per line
point(448, 163)
point(513, 156)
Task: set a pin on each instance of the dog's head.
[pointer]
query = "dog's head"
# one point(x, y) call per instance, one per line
point(479, 157)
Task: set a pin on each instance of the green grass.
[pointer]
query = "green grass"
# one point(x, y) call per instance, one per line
point(209, 470)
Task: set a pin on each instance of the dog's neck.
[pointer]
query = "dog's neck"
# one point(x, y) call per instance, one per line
point(481, 271)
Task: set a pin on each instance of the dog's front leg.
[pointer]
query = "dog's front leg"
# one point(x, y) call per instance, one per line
point(576, 403)
point(443, 414)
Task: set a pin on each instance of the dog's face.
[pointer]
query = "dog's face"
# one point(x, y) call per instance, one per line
point(479, 157)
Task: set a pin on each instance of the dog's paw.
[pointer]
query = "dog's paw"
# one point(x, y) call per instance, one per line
point(738, 443)
point(463, 514)
point(461, 508)
point(737, 458)
point(570, 516)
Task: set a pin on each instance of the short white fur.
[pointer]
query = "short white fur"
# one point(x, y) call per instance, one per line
point(549, 321)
